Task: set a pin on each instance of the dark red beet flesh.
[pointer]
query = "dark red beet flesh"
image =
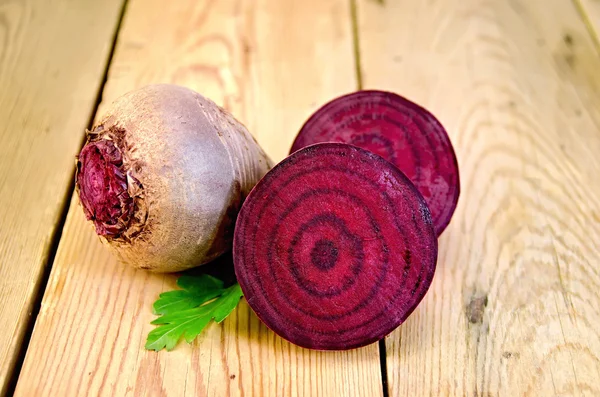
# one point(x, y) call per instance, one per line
point(103, 187)
point(334, 247)
point(400, 131)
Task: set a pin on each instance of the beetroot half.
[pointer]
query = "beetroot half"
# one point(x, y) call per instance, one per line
point(334, 247)
point(400, 131)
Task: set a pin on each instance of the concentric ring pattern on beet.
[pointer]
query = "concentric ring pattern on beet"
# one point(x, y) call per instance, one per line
point(334, 247)
point(400, 131)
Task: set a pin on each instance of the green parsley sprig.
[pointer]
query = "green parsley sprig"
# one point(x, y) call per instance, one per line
point(186, 312)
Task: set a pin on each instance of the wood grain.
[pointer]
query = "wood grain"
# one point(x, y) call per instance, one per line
point(52, 58)
point(590, 10)
point(271, 63)
point(514, 306)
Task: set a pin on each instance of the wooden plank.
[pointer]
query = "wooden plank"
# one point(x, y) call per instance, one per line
point(590, 10)
point(52, 58)
point(513, 309)
point(271, 63)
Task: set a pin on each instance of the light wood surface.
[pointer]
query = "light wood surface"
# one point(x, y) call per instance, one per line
point(590, 10)
point(52, 59)
point(514, 307)
point(271, 63)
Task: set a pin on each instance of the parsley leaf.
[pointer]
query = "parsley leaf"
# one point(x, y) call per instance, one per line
point(185, 313)
point(196, 291)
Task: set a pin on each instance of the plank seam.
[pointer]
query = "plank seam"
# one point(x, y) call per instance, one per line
point(383, 366)
point(356, 44)
point(588, 24)
point(13, 375)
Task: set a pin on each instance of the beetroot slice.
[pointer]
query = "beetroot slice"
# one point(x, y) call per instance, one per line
point(400, 131)
point(334, 247)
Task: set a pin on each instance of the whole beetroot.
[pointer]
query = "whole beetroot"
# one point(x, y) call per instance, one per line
point(163, 176)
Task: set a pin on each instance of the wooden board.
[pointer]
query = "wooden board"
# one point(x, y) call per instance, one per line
point(590, 10)
point(513, 309)
point(271, 63)
point(52, 59)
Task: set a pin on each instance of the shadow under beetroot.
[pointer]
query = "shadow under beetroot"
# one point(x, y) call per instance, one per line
point(221, 268)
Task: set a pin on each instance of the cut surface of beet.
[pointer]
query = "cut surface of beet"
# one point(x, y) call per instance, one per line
point(334, 247)
point(398, 130)
point(102, 185)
